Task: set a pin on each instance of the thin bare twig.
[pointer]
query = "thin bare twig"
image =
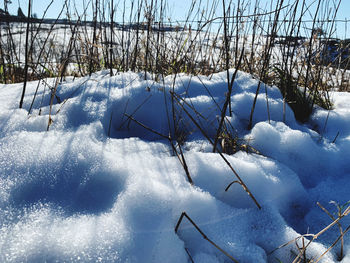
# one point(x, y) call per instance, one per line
point(184, 214)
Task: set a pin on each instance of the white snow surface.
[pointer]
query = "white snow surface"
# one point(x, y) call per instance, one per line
point(75, 194)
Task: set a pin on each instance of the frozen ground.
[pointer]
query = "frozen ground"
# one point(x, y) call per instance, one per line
point(75, 194)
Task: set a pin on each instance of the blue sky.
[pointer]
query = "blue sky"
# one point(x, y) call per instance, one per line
point(177, 10)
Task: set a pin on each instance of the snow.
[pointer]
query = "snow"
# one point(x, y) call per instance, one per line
point(75, 194)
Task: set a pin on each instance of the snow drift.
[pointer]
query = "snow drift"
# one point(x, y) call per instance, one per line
point(99, 187)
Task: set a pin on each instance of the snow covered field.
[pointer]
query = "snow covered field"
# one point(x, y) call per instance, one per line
point(75, 194)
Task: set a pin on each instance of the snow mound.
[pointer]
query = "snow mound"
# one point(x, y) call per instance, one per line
point(103, 183)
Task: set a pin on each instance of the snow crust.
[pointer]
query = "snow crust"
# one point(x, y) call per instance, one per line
point(75, 194)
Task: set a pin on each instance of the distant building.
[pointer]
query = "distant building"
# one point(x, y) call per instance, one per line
point(3, 12)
